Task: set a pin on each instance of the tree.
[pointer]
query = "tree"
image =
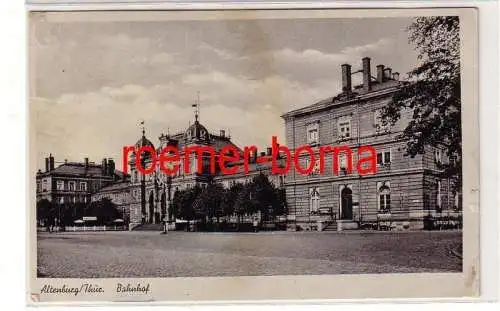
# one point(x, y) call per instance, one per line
point(246, 202)
point(43, 208)
point(265, 195)
point(183, 203)
point(281, 209)
point(210, 201)
point(433, 92)
point(105, 210)
point(228, 202)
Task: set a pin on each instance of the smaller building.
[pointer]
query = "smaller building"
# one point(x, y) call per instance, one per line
point(74, 182)
point(120, 194)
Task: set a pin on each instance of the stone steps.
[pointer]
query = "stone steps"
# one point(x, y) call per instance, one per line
point(331, 227)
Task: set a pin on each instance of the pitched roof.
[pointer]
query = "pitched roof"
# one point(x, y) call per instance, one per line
point(358, 93)
point(121, 185)
point(79, 170)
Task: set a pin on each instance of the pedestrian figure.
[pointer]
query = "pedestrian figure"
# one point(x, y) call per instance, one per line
point(47, 225)
point(165, 226)
point(51, 224)
point(255, 225)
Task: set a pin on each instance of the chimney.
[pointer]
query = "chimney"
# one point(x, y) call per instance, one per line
point(346, 79)
point(86, 160)
point(387, 73)
point(47, 167)
point(367, 75)
point(111, 167)
point(222, 133)
point(51, 162)
point(380, 73)
point(104, 167)
point(395, 76)
point(255, 155)
point(269, 151)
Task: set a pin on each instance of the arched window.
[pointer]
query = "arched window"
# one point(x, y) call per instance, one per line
point(314, 200)
point(457, 202)
point(438, 196)
point(384, 198)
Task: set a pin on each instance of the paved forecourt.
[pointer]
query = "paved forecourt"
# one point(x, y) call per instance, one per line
point(184, 254)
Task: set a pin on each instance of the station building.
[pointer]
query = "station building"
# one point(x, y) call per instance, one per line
point(402, 191)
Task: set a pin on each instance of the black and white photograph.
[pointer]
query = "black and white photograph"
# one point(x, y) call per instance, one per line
point(255, 144)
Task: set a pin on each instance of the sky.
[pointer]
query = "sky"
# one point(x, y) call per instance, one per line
point(92, 83)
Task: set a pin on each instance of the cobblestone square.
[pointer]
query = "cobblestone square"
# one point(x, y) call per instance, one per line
point(187, 254)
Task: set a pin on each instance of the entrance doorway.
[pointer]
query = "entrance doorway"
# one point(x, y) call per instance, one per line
point(151, 208)
point(346, 204)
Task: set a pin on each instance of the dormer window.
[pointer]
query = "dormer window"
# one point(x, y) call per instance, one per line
point(313, 133)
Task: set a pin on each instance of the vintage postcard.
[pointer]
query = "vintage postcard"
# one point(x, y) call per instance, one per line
point(253, 155)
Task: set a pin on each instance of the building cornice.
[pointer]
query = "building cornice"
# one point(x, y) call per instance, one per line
point(331, 102)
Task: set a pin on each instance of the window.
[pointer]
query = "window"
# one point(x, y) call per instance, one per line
point(342, 161)
point(385, 202)
point(344, 129)
point(194, 166)
point(315, 170)
point(438, 198)
point(313, 133)
point(314, 200)
point(61, 200)
point(312, 136)
point(384, 197)
point(83, 186)
point(438, 156)
point(60, 185)
point(307, 162)
point(457, 203)
point(384, 157)
point(378, 124)
point(38, 187)
point(71, 186)
point(180, 170)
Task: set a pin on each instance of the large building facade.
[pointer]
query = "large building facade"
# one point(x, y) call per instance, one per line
point(403, 190)
point(153, 193)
